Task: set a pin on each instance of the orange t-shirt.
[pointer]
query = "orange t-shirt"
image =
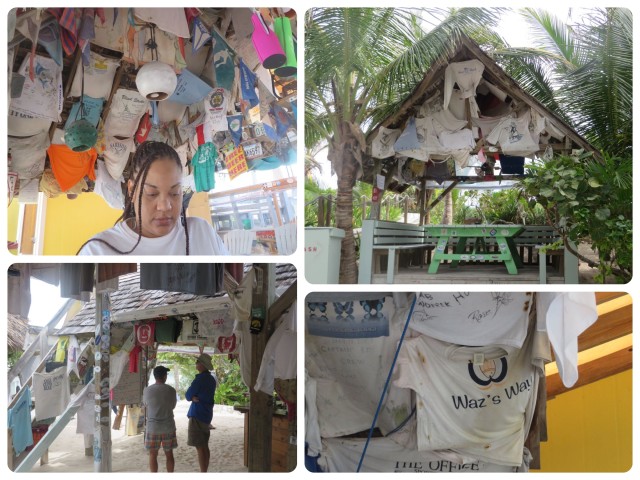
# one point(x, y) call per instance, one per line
point(70, 167)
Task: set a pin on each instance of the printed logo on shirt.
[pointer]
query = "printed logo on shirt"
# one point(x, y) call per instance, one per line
point(491, 371)
point(514, 135)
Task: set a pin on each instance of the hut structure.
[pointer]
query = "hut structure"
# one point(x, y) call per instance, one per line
point(235, 317)
point(467, 124)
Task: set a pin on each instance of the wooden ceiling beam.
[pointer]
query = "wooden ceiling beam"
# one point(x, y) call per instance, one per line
point(611, 325)
point(611, 364)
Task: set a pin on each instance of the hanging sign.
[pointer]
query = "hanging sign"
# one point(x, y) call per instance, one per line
point(236, 163)
point(145, 334)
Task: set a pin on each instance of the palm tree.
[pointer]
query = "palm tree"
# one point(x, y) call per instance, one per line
point(360, 63)
point(583, 72)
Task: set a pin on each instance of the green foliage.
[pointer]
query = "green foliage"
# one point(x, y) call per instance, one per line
point(12, 358)
point(588, 200)
point(501, 206)
point(230, 390)
point(361, 191)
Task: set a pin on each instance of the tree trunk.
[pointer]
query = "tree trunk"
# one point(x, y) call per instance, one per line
point(344, 206)
point(447, 215)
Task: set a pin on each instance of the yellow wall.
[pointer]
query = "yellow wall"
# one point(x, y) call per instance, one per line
point(12, 222)
point(590, 428)
point(70, 223)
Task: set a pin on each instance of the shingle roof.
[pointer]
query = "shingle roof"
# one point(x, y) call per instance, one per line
point(131, 298)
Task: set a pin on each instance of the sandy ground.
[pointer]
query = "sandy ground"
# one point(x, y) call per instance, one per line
point(66, 454)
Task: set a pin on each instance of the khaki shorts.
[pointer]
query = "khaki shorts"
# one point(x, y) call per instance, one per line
point(198, 433)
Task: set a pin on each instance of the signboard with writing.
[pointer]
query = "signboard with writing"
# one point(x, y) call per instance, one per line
point(236, 162)
point(252, 150)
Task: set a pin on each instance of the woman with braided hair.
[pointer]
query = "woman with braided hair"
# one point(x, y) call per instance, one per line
point(154, 220)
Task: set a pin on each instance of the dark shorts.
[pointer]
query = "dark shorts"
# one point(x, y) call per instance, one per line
point(153, 441)
point(198, 433)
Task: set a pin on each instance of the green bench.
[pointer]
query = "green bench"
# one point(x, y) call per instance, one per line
point(379, 236)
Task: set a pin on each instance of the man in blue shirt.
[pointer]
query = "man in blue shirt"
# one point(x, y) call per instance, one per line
point(200, 394)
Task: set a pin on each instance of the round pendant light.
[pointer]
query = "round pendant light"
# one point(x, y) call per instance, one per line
point(156, 81)
point(81, 135)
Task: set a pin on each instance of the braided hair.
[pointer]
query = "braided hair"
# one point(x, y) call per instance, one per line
point(146, 154)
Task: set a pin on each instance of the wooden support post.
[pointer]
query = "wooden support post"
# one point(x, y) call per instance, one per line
point(260, 403)
point(421, 200)
point(327, 222)
point(102, 435)
point(276, 207)
point(406, 209)
point(321, 215)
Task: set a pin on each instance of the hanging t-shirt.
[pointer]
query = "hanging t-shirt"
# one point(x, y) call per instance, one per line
point(511, 165)
point(487, 124)
point(98, 77)
point(204, 163)
point(127, 108)
point(116, 154)
point(460, 140)
point(410, 143)
point(564, 316)
point(386, 455)
point(51, 391)
point(350, 344)
point(108, 187)
point(28, 155)
point(280, 355)
point(479, 319)
point(466, 74)
point(203, 240)
point(458, 105)
point(42, 97)
point(382, 145)
point(196, 278)
point(472, 400)
point(70, 167)
point(85, 416)
point(513, 136)
point(19, 422)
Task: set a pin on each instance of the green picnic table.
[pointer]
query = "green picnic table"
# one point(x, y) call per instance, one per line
point(476, 235)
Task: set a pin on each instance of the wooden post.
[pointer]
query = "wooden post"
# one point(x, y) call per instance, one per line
point(327, 222)
point(423, 190)
point(406, 210)
point(276, 206)
point(260, 403)
point(102, 435)
point(321, 211)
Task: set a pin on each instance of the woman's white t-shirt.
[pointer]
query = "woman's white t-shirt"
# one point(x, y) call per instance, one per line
point(203, 240)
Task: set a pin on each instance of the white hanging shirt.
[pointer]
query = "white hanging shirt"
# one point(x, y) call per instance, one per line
point(472, 400)
point(350, 345)
point(460, 140)
point(466, 74)
point(487, 124)
point(385, 455)
point(564, 316)
point(311, 427)
point(203, 240)
point(513, 136)
point(479, 319)
point(382, 145)
point(279, 359)
point(51, 391)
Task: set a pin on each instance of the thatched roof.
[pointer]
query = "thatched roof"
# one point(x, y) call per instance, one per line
point(17, 327)
point(131, 301)
point(433, 80)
